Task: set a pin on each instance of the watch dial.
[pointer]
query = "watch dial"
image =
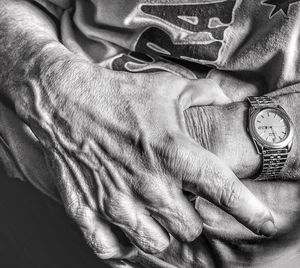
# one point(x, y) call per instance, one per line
point(271, 126)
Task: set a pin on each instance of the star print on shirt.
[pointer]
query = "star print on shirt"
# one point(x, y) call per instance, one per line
point(279, 5)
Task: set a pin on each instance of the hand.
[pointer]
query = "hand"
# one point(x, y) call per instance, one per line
point(223, 131)
point(118, 145)
point(116, 142)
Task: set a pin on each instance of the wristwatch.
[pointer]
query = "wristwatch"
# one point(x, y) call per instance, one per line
point(272, 131)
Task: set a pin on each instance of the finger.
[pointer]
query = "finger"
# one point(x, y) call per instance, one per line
point(168, 205)
point(123, 263)
point(101, 237)
point(98, 233)
point(209, 177)
point(152, 261)
point(137, 224)
point(202, 92)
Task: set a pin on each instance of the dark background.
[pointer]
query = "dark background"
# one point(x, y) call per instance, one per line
point(35, 231)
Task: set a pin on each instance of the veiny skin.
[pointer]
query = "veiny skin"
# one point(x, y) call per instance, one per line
point(223, 131)
point(117, 142)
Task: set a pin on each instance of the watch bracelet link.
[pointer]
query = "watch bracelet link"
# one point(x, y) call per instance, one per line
point(273, 162)
point(262, 101)
point(273, 159)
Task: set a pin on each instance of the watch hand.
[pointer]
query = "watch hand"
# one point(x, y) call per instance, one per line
point(273, 131)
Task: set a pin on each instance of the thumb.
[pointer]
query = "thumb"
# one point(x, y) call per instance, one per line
point(207, 176)
point(202, 92)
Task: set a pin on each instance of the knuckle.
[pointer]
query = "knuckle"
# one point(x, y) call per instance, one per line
point(230, 195)
point(84, 217)
point(155, 245)
point(161, 246)
point(149, 240)
point(193, 233)
point(115, 208)
point(79, 213)
point(156, 194)
point(111, 208)
point(174, 153)
point(102, 250)
point(186, 230)
point(71, 204)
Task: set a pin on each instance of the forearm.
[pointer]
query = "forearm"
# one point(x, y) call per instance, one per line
point(29, 45)
point(223, 131)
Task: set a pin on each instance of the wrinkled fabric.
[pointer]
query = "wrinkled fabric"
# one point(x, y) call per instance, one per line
point(248, 47)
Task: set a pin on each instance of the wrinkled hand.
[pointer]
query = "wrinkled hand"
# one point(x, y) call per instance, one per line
point(223, 131)
point(118, 145)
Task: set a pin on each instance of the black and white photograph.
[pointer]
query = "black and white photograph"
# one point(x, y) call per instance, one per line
point(149, 133)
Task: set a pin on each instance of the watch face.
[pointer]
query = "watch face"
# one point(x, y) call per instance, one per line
point(271, 126)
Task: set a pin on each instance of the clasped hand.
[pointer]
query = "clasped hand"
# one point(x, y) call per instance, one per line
point(118, 145)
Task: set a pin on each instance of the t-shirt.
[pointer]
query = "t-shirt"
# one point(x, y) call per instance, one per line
point(248, 47)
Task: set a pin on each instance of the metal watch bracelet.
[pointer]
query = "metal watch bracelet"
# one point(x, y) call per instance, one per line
point(273, 160)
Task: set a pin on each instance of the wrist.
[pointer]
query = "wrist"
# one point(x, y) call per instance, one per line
point(223, 131)
point(29, 47)
point(52, 75)
point(290, 103)
point(34, 78)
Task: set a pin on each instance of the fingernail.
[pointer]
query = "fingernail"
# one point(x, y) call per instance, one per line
point(268, 229)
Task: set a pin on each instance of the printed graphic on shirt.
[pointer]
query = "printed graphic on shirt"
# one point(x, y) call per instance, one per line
point(141, 63)
point(279, 5)
point(133, 62)
point(188, 32)
point(197, 33)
